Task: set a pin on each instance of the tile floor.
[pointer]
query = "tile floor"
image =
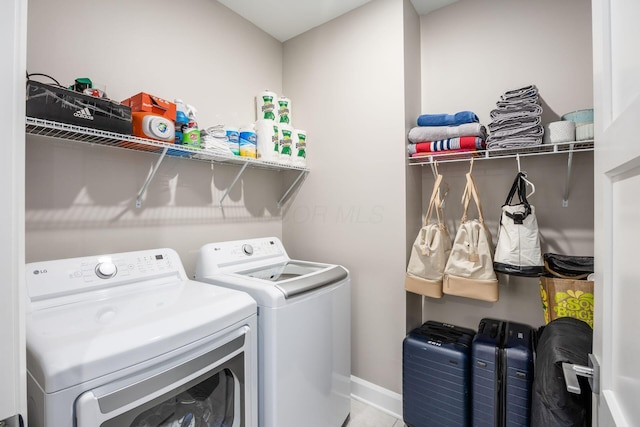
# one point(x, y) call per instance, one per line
point(363, 415)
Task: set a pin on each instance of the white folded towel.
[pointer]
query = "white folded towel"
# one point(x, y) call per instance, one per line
point(437, 133)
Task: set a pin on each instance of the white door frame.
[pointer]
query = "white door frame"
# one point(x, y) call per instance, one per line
point(617, 168)
point(13, 47)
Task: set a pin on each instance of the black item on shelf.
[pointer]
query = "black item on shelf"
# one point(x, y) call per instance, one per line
point(65, 106)
point(566, 340)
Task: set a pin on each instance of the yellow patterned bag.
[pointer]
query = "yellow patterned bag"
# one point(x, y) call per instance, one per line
point(567, 298)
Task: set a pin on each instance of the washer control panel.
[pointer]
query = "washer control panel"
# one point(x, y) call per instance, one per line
point(237, 255)
point(246, 250)
point(51, 279)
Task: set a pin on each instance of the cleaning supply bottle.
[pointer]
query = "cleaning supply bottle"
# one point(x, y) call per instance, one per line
point(182, 120)
point(191, 134)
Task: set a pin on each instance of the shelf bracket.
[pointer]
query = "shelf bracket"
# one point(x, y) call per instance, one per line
point(285, 196)
point(226, 192)
point(565, 196)
point(149, 178)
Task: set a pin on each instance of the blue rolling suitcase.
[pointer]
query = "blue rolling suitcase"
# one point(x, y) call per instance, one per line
point(502, 374)
point(436, 376)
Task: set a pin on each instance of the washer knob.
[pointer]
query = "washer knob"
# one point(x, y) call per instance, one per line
point(106, 270)
point(247, 249)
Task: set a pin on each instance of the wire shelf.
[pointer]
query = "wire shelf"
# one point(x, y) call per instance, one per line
point(65, 131)
point(543, 149)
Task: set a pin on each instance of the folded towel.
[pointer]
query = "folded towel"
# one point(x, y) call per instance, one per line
point(514, 123)
point(516, 110)
point(444, 153)
point(533, 130)
point(463, 142)
point(515, 142)
point(523, 92)
point(459, 118)
point(436, 133)
point(517, 101)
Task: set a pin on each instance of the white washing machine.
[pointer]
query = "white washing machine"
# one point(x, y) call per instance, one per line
point(128, 340)
point(304, 329)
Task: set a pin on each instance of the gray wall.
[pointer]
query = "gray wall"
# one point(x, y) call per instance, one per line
point(348, 80)
point(473, 51)
point(81, 199)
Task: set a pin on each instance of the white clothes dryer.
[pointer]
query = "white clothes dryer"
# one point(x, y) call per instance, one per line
point(304, 329)
point(128, 340)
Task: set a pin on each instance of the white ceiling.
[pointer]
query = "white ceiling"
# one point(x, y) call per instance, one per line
point(303, 15)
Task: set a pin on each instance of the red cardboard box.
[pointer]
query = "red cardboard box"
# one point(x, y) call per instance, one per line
point(152, 104)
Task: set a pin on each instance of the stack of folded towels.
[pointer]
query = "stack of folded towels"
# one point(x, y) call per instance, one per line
point(446, 133)
point(516, 120)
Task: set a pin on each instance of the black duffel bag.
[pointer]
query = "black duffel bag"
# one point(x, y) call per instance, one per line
point(566, 340)
point(568, 266)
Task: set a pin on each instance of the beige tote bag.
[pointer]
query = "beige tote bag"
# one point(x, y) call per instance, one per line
point(469, 270)
point(430, 251)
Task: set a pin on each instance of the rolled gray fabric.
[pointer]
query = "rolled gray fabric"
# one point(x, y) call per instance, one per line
point(437, 133)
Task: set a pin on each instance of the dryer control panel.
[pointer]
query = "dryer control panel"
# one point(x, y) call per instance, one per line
point(75, 276)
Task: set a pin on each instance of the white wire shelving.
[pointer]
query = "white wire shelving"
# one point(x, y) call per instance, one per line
point(501, 153)
point(64, 131)
point(568, 148)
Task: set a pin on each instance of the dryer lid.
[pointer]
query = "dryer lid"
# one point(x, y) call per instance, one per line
point(67, 346)
point(92, 316)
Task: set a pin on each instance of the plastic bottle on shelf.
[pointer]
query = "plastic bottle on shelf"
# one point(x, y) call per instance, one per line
point(191, 134)
point(182, 120)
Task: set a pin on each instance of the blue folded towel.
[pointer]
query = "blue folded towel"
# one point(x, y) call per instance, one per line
point(459, 118)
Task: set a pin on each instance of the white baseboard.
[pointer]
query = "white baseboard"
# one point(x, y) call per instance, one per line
point(376, 396)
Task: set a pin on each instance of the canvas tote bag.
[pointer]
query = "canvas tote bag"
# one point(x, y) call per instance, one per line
point(518, 249)
point(430, 251)
point(469, 270)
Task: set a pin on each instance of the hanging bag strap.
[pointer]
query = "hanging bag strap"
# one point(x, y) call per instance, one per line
point(519, 187)
point(471, 192)
point(435, 203)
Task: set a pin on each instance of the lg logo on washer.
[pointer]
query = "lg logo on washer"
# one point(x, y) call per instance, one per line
point(40, 271)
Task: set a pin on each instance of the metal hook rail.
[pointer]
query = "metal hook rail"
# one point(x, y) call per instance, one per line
point(565, 147)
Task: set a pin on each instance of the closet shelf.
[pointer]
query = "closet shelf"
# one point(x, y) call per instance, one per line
point(95, 136)
point(544, 149)
point(91, 136)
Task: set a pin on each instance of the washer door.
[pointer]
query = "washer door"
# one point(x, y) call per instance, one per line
point(204, 391)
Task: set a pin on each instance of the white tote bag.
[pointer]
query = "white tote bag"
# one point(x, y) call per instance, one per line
point(469, 270)
point(518, 249)
point(430, 251)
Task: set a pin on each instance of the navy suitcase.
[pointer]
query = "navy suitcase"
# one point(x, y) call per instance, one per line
point(452, 329)
point(502, 374)
point(436, 376)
